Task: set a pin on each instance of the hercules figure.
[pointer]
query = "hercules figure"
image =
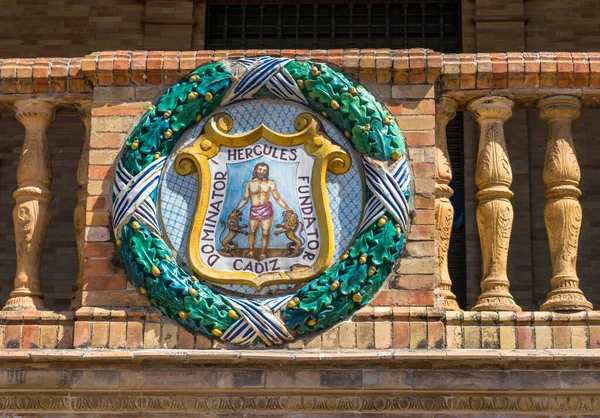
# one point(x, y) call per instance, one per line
point(259, 191)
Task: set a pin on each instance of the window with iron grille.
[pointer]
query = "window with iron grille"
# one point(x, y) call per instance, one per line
point(434, 25)
point(336, 24)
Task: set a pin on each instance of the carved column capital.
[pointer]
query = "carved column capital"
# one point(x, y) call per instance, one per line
point(39, 112)
point(445, 110)
point(559, 108)
point(84, 111)
point(491, 108)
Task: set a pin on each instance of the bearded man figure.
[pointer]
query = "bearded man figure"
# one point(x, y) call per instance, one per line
point(259, 191)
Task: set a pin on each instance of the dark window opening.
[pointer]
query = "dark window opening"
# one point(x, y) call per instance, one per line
point(434, 25)
point(457, 262)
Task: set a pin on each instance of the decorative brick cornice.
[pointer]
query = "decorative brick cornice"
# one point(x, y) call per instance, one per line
point(42, 75)
point(467, 72)
point(520, 70)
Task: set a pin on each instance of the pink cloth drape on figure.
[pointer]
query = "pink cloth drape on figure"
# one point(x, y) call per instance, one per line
point(261, 212)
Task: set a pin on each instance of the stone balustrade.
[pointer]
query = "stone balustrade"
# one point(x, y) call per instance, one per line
point(493, 177)
point(424, 90)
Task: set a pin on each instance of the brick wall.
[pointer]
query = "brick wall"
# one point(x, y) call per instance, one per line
point(63, 28)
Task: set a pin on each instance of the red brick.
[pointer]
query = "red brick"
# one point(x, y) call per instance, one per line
point(41, 71)
point(417, 66)
point(99, 267)
point(412, 107)
point(435, 335)
point(321, 55)
point(99, 249)
point(118, 110)
point(532, 70)
point(83, 334)
point(31, 336)
point(121, 68)
point(105, 68)
point(12, 336)
point(401, 67)
point(525, 339)
point(415, 281)
point(484, 71)
point(423, 170)
point(171, 67)
point(581, 69)
point(424, 217)
point(548, 69)
point(97, 219)
point(500, 70)
point(154, 67)
point(187, 62)
point(594, 336)
point(203, 57)
point(400, 334)
point(97, 203)
point(422, 232)
point(25, 75)
point(335, 56)
point(107, 140)
point(594, 58)
point(564, 69)
point(59, 75)
point(424, 186)
point(135, 334)
point(403, 298)
point(185, 339)
point(434, 67)
point(104, 283)
point(100, 172)
point(424, 202)
point(138, 67)
point(419, 138)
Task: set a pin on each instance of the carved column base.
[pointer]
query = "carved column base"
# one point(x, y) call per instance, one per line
point(24, 303)
point(450, 303)
point(566, 296)
point(497, 299)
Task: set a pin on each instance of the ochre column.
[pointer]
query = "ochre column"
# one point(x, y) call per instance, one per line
point(493, 177)
point(80, 211)
point(562, 213)
point(31, 213)
point(444, 212)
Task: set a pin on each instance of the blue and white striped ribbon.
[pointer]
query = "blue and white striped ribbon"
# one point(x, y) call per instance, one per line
point(136, 195)
point(259, 319)
point(264, 71)
point(388, 192)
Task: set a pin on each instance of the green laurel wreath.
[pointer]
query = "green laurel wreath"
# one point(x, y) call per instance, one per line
point(347, 285)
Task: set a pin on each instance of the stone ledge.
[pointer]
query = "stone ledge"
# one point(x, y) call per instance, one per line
point(366, 357)
point(311, 384)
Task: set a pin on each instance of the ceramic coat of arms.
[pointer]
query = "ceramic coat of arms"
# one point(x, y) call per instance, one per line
point(261, 199)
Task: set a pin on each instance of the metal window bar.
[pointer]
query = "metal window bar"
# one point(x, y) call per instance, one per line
point(333, 25)
point(283, 24)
